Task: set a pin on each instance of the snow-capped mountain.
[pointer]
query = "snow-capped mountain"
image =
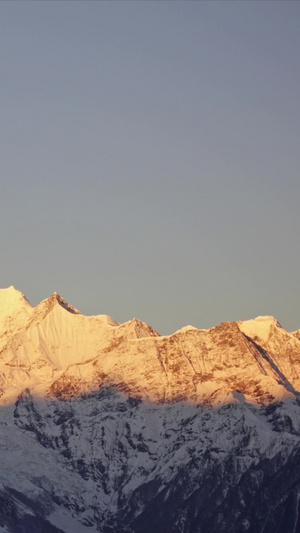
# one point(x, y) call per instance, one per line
point(113, 428)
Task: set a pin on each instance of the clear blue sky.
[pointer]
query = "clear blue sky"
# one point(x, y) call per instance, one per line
point(150, 158)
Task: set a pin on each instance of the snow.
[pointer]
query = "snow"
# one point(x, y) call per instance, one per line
point(54, 349)
point(15, 309)
point(259, 327)
point(166, 447)
point(137, 407)
point(11, 299)
point(68, 524)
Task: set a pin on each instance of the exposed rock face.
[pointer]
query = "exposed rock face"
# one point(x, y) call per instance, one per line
point(109, 427)
point(54, 350)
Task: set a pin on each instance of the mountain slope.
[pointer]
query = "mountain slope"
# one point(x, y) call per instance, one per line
point(55, 350)
point(109, 427)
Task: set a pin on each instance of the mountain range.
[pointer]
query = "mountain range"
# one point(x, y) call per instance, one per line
point(109, 427)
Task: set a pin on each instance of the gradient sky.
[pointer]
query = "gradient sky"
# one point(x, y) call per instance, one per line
point(150, 158)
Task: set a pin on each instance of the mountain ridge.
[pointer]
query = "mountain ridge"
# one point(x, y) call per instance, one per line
point(111, 427)
point(191, 364)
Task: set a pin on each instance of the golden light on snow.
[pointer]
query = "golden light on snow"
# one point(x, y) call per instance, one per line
point(54, 350)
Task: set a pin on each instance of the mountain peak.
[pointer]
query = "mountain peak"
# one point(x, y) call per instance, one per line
point(68, 351)
point(55, 299)
point(12, 300)
point(259, 327)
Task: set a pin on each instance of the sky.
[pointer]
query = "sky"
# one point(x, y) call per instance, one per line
point(150, 158)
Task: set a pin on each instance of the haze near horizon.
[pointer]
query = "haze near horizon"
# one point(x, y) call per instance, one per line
point(150, 158)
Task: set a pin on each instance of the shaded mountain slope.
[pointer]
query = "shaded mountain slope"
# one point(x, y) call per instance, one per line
point(111, 427)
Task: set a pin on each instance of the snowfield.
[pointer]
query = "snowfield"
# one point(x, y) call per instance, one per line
point(112, 428)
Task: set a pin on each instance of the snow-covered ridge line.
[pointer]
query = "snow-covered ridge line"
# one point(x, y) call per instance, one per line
point(112, 427)
point(12, 300)
point(53, 349)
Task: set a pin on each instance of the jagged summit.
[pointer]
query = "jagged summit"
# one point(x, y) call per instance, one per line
point(11, 299)
point(55, 299)
point(15, 312)
point(112, 427)
point(260, 327)
point(53, 349)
